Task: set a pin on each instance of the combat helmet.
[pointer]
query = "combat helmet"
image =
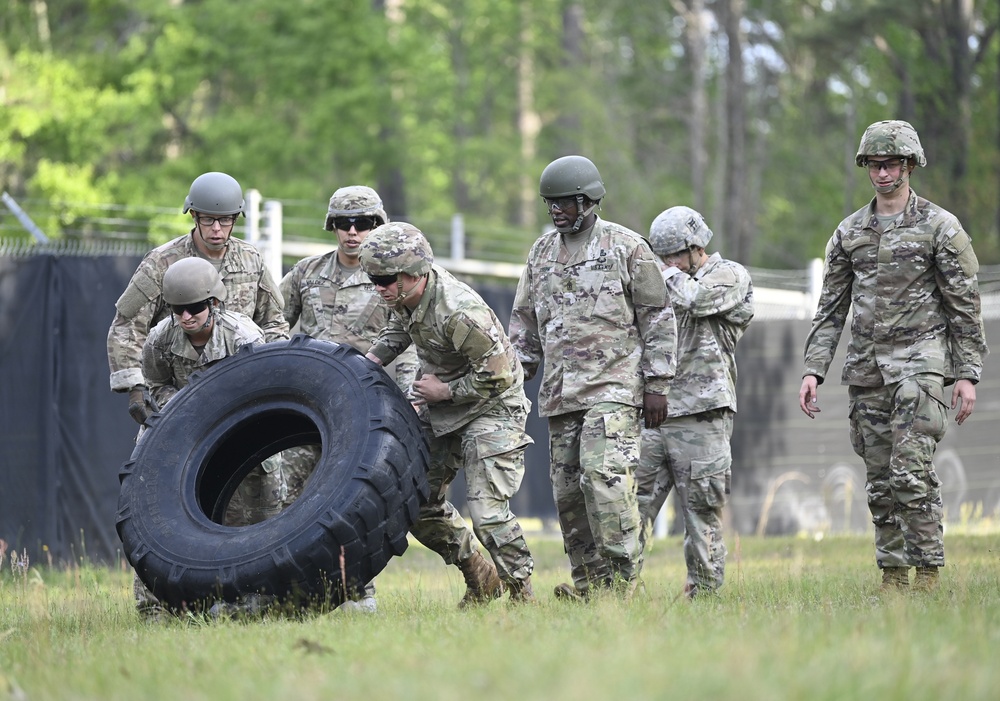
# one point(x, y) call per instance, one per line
point(571, 175)
point(355, 201)
point(396, 248)
point(891, 137)
point(678, 229)
point(215, 194)
point(192, 280)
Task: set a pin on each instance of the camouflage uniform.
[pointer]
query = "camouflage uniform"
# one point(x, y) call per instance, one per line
point(691, 449)
point(168, 361)
point(334, 303)
point(251, 291)
point(459, 339)
point(598, 319)
point(916, 326)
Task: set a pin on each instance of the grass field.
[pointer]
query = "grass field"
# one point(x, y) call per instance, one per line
point(797, 619)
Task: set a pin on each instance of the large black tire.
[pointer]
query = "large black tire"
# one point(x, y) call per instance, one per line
point(354, 512)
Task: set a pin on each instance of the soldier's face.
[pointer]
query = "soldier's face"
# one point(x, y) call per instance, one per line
point(214, 236)
point(351, 231)
point(563, 211)
point(193, 323)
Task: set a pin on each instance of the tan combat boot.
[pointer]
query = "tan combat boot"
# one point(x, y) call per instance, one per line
point(521, 591)
point(895, 579)
point(481, 581)
point(926, 579)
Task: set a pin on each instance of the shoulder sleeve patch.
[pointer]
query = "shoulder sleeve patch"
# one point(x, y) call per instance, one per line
point(648, 288)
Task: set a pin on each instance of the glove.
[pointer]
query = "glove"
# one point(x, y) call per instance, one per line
point(139, 406)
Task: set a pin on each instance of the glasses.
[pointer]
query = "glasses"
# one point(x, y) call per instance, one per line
point(359, 223)
point(560, 203)
point(192, 309)
point(210, 221)
point(890, 164)
point(382, 280)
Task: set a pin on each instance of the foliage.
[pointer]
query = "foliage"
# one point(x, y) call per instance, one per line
point(452, 106)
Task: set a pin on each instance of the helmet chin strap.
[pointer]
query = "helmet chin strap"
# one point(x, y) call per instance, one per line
point(402, 294)
point(579, 217)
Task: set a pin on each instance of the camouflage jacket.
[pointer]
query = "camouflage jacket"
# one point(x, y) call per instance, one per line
point(169, 359)
point(713, 308)
point(250, 290)
point(599, 319)
point(346, 312)
point(460, 340)
point(915, 297)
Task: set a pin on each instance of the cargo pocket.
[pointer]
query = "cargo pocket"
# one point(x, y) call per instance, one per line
point(857, 439)
point(503, 472)
point(709, 485)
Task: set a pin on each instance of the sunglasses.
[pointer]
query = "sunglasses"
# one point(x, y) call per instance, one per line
point(359, 223)
point(210, 221)
point(889, 165)
point(383, 280)
point(192, 309)
point(560, 203)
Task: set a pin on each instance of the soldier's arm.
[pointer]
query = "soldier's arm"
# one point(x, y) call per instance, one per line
point(135, 313)
point(956, 273)
point(831, 313)
point(655, 320)
point(723, 292)
point(267, 313)
point(291, 293)
point(524, 335)
point(391, 341)
point(407, 366)
point(491, 371)
point(157, 370)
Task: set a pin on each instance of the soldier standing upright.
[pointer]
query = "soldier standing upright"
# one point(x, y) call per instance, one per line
point(473, 407)
point(908, 269)
point(591, 303)
point(713, 300)
point(333, 300)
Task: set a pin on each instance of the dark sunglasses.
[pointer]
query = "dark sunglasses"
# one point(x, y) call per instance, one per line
point(192, 309)
point(359, 223)
point(383, 280)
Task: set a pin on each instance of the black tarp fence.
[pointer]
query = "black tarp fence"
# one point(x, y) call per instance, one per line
point(64, 434)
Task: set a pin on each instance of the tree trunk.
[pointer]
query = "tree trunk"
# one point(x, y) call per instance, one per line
point(735, 176)
point(529, 123)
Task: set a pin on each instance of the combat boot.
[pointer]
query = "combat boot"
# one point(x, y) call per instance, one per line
point(895, 579)
point(481, 581)
point(568, 592)
point(926, 579)
point(521, 591)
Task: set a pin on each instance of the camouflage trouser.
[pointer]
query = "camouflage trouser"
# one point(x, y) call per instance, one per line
point(297, 464)
point(896, 429)
point(691, 453)
point(260, 495)
point(491, 449)
point(593, 456)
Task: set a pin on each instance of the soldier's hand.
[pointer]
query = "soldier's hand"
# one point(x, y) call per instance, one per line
point(139, 407)
point(808, 396)
point(654, 409)
point(965, 392)
point(431, 389)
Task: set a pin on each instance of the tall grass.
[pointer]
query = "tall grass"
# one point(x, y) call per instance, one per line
point(797, 619)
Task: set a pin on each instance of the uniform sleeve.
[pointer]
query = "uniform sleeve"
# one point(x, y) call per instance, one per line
point(267, 313)
point(491, 368)
point(157, 369)
point(724, 292)
point(831, 313)
point(957, 267)
point(136, 311)
point(524, 335)
point(655, 319)
point(392, 340)
point(291, 293)
point(407, 366)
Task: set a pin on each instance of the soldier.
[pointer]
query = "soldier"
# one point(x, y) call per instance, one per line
point(214, 201)
point(332, 300)
point(909, 270)
point(713, 300)
point(472, 404)
point(198, 334)
point(591, 302)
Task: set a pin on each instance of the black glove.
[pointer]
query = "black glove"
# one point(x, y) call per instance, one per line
point(140, 406)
